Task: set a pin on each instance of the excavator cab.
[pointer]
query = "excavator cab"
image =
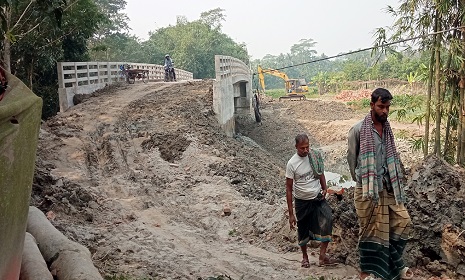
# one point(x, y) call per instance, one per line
point(296, 86)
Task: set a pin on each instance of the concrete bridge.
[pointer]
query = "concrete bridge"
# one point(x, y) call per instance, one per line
point(20, 112)
point(232, 91)
point(87, 77)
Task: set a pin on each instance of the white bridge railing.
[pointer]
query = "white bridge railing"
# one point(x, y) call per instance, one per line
point(232, 91)
point(87, 77)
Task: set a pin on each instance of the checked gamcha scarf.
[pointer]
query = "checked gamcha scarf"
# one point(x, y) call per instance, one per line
point(370, 186)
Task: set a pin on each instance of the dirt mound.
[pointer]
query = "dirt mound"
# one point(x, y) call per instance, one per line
point(437, 202)
point(108, 89)
point(141, 180)
point(171, 147)
point(141, 176)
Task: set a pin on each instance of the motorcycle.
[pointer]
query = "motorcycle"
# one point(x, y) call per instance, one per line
point(169, 74)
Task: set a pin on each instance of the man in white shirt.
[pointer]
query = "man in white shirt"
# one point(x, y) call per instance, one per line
point(306, 184)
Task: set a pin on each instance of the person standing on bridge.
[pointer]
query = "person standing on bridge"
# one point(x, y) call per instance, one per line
point(169, 66)
point(379, 195)
point(306, 184)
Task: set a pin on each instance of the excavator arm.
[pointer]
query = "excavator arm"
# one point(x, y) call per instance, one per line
point(270, 71)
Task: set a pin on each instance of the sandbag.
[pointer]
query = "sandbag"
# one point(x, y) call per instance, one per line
point(69, 260)
point(33, 266)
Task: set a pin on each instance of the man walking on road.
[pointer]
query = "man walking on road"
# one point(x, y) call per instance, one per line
point(379, 194)
point(306, 183)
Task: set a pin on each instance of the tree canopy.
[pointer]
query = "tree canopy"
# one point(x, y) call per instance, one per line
point(39, 33)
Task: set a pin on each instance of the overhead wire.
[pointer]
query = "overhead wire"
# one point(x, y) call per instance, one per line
point(370, 48)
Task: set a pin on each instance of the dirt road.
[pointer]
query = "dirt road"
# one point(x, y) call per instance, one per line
point(140, 174)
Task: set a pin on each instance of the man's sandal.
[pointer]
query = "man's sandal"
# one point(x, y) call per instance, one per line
point(305, 263)
point(327, 262)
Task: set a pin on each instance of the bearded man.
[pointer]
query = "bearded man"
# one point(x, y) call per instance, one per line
point(379, 194)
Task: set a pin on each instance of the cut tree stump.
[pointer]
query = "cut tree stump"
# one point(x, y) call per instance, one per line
point(68, 260)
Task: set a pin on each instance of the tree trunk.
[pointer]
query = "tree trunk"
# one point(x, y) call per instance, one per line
point(449, 120)
point(6, 41)
point(461, 144)
point(437, 88)
point(461, 113)
point(453, 88)
point(428, 97)
point(31, 73)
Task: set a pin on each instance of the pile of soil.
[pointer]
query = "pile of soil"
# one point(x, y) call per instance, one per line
point(436, 195)
point(437, 205)
point(352, 95)
point(142, 175)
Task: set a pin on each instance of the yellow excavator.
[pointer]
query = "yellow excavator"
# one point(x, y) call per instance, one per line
point(295, 88)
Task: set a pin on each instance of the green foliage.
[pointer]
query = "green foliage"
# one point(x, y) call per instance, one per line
point(193, 46)
point(41, 41)
point(405, 107)
point(417, 144)
point(360, 104)
point(114, 20)
point(213, 18)
point(331, 75)
point(18, 17)
point(412, 77)
point(233, 232)
point(407, 100)
point(276, 93)
point(120, 47)
point(401, 134)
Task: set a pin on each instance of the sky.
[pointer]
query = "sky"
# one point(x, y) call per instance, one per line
point(272, 27)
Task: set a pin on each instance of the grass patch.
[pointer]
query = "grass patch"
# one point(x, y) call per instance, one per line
point(360, 104)
point(401, 134)
point(275, 93)
point(233, 232)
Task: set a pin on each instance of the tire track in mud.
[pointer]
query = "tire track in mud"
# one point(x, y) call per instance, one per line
point(147, 214)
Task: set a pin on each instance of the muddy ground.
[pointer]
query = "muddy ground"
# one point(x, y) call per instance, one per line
point(141, 174)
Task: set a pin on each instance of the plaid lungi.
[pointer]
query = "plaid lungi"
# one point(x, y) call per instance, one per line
point(384, 230)
point(314, 220)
